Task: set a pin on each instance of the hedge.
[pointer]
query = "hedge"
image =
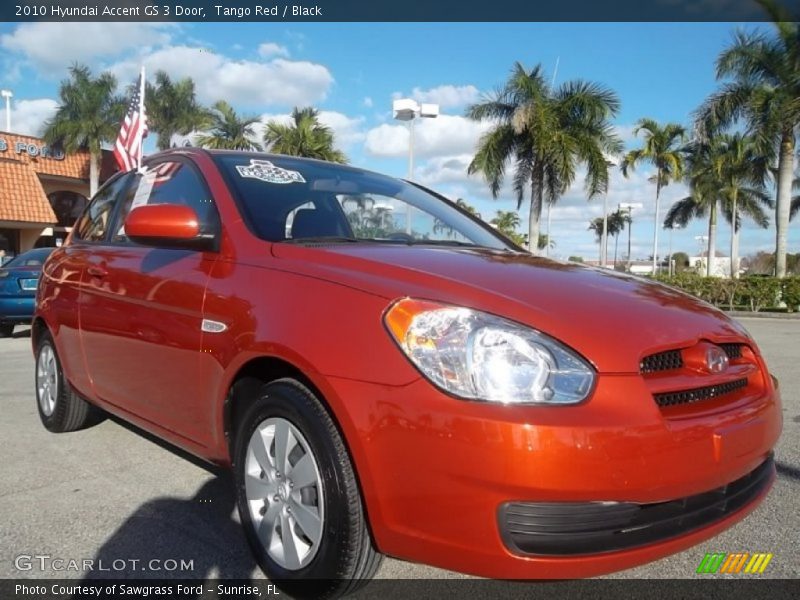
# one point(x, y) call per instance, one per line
point(752, 293)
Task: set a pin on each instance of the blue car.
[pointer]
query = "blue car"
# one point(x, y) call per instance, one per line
point(18, 280)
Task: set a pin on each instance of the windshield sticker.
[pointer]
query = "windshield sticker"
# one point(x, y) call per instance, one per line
point(266, 171)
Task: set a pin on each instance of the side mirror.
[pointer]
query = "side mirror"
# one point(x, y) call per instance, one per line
point(168, 225)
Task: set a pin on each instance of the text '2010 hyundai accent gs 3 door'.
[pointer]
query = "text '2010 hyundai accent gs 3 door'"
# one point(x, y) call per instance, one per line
point(385, 374)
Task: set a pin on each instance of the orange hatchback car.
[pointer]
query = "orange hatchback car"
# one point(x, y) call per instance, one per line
point(385, 374)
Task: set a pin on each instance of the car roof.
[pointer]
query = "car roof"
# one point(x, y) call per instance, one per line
point(249, 154)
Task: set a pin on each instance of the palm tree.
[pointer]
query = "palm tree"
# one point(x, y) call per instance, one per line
point(172, 109)
point(89, 115)
point(545, 241)
point(615, 224)
point(742, 171)
point(506, 222)
point(463, 204)
point(662, 149)
point(305, 137)
point(795, 200)
point(714, 186)
point(761, 86)
point(545, 132)
point(229, 131)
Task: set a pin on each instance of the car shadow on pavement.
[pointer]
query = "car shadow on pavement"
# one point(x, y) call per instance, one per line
point(785, 470)
point(21, 333)
point(177, 538)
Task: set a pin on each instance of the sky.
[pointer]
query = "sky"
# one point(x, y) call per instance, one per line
point(351, 72)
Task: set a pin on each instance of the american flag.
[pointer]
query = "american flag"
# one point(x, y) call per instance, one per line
point(165, 171)
point(128, 148)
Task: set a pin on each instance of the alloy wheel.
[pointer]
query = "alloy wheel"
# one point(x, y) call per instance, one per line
point(285, 494)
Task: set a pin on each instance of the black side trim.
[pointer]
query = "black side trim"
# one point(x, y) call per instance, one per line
point(572, 528)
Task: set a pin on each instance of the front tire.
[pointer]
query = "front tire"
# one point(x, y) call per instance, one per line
point(297, 494)
point(61, 409)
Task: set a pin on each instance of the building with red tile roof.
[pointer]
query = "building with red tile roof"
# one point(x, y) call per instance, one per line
point(42, 191)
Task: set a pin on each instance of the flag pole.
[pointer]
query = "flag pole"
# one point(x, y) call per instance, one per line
point(143, 114)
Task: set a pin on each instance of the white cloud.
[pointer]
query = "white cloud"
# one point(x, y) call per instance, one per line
point(625, 132)
point(443, 136)
point(243, 83)
point(447, 96)
point(347, 130)
point(368, 102)
point(271, 49)
point(28, 116)
point(52, 47)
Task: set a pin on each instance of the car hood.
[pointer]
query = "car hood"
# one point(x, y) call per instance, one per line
point(613, 319)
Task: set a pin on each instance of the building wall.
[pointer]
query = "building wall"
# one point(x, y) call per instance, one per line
point(28, 237)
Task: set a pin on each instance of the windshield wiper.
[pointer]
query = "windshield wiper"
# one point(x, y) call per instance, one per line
point(322, 239)
point(443, 243)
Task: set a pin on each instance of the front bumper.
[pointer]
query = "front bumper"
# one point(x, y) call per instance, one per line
point(435, 471)
point(573, 528)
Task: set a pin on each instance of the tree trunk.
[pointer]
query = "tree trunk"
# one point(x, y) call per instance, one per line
point(616, 245)
point(534, 217)
point(711, 252)
point(655, 223)
point(784, 199)
point(734, 235)
point(94, 173)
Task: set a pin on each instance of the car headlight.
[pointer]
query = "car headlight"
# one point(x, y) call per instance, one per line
point(479, 356)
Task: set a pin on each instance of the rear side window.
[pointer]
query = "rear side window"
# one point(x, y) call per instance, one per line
point(170, 182)
point(34, 258)
point(94, 223)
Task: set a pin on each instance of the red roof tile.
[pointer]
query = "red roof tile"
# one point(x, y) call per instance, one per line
point(22, 197)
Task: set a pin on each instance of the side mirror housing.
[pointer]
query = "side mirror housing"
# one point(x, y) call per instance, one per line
point(167, 225)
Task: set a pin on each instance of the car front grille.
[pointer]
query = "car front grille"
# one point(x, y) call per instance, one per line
point(701, 393)
point(670, 375)
point(663, 361)
point(732, 350)
point(574, 528)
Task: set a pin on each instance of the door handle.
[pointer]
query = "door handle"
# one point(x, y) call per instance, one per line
point(95, 271)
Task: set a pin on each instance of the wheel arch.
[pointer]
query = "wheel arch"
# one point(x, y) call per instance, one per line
point(264, 369)
point(38, 327)
point(258, 371)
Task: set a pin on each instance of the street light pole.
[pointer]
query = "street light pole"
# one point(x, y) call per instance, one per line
point(604, 236)
point(411, 149)
point(7, 95)
point(547, 245)
point(407, 109)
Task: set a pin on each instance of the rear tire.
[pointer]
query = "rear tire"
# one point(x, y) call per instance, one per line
point(328, 552)
point(61, 409)
point(6, 330)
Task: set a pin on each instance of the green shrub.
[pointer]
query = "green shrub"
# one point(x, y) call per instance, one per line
point(791, 292)
point(750, 293)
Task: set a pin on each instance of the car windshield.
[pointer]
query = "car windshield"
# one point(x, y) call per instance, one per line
point(289, 200)
point(33, 258)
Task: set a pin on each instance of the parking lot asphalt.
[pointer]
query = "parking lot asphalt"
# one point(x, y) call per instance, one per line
point(109, 492)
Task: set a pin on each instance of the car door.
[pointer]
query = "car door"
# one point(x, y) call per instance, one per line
point(141, 314)
point(64, 274)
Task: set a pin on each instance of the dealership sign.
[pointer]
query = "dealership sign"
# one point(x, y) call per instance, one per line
point(31, 150)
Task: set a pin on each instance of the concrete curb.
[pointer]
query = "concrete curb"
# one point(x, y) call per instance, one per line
point(740, 314)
